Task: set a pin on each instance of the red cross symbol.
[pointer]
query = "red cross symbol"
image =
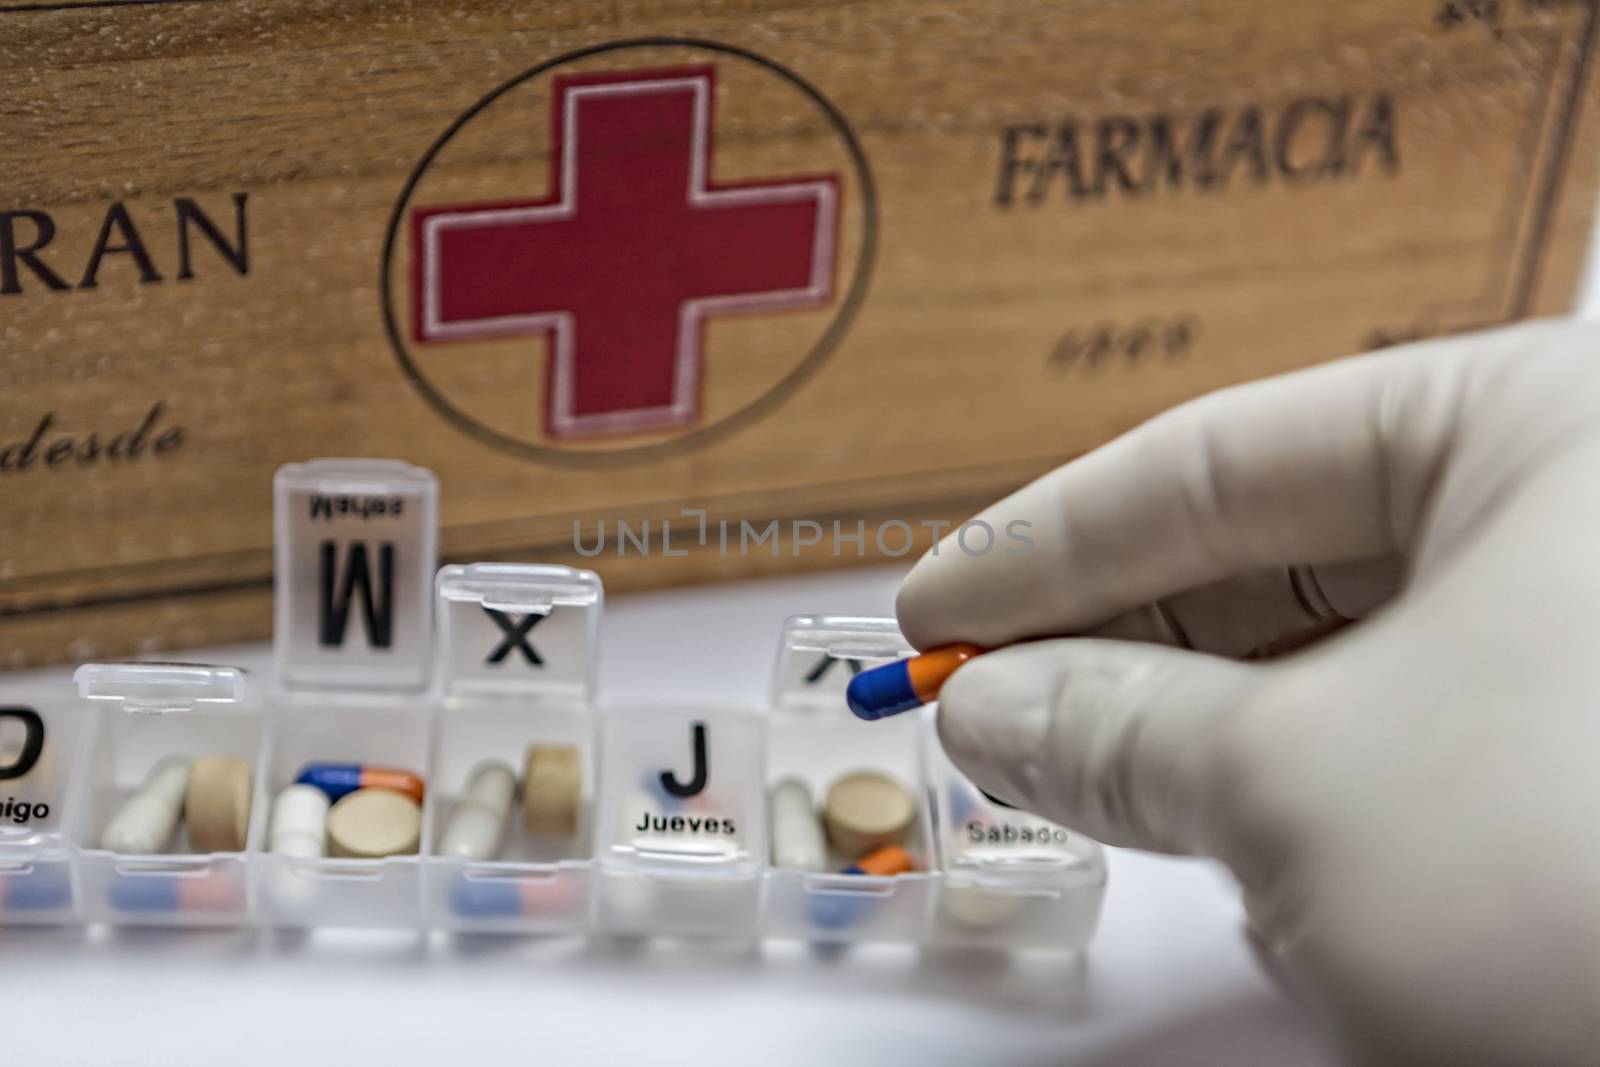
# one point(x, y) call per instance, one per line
point(634, 249)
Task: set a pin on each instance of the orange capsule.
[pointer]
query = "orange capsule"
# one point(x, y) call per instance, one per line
point(907, 683)
point(337, 779)
point(884, 862)
point(393, 780)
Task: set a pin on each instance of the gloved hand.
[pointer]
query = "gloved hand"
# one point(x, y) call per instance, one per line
point(1411, 803)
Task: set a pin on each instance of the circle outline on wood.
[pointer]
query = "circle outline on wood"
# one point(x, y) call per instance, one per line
point(844, 315)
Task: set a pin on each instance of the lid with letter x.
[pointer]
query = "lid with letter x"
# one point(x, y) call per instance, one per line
point(819, 654)
point(520, 630)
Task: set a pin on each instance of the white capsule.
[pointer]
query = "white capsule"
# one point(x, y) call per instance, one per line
point(797, 839)
point(479, 821)
point(299, 823)
point(146, 820)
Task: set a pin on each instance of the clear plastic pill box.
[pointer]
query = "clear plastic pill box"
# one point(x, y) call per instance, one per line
point(140, 714)
point(354, 542)
point(517, 659)
point(682, 840)
point(985, 875)
point(650, 820)
point(41, 740)
point(813, 737)
point(334, 891)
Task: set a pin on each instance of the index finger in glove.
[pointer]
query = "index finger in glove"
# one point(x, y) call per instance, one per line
point(1330, 464)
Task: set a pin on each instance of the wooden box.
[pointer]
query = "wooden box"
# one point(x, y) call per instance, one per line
point(730, 262)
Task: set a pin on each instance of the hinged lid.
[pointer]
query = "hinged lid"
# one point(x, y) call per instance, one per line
point(164, 688)
point(354, 552)
point(819, 654)
point(518, 629)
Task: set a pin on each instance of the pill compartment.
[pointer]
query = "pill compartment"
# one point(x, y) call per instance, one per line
point(1011, 879)
point(517, 662)
point(141, 715)
point(813, 736)
point(681, 835)
point(41, 738)
point(354, 543)
point(294, 891)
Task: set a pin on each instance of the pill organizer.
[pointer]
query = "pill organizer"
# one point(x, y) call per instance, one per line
point(138, 716)
point(41, 735)
point(517, 655)
point(650, 820)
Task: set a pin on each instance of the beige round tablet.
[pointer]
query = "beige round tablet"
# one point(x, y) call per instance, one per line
point(552, 790)
point(370, 824)
point(866, 810)
point(976, 906)
point(216, 806)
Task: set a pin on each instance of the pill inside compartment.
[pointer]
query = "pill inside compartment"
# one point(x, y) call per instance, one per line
point(380, 746)
point(511, 820)
point(161, 844)
point(499, 858)
point(877, 774)
point(1010, 879)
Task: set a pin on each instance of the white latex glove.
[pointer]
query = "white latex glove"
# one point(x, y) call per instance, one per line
point(1412, 804)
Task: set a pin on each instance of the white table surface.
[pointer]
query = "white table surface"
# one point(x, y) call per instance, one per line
point(1168, 979)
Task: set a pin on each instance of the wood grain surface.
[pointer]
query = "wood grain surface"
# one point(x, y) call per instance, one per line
point(1054, 220)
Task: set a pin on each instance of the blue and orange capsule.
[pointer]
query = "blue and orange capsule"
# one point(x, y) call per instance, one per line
point(161, 893)
point(905, 684)
point(338, 779)
point(44, 888)
point(835, 909)
point(505, 899)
